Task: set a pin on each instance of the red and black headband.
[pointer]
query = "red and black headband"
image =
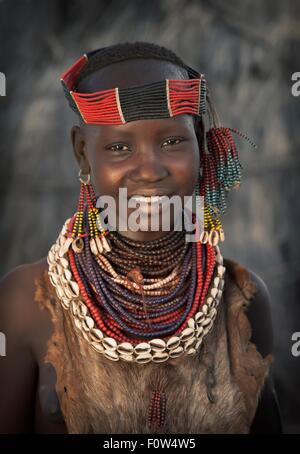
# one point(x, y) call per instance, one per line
point(162, 99)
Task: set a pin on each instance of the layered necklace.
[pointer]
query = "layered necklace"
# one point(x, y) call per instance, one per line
point(139, 301)
point(142, 301)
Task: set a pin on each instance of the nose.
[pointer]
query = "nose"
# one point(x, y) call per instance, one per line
point(148, 167)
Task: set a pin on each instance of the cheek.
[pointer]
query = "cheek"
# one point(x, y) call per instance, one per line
point(107, 177)
point(187, 172)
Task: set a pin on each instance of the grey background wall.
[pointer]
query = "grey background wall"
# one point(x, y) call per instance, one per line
point(248, 51)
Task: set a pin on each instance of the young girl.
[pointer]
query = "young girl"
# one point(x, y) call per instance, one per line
point(139, 331)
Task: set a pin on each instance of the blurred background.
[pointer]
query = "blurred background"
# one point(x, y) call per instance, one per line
point(248, 51)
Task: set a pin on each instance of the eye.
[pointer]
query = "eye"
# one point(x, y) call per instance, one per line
point(118, 147)
point(173, 141)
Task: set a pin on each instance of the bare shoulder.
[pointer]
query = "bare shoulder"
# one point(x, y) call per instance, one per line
point(26, 329)
point(19, 312)
point(268, 414)
point(260, 316)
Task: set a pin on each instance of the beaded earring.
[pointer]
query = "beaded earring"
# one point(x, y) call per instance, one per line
point(96, 231)
point(220, 171)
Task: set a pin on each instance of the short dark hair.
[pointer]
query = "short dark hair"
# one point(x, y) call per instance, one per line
point(125, 51)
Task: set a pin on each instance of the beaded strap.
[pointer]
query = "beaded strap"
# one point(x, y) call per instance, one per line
point(163, 99)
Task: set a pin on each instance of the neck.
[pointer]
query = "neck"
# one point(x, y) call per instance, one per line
point(143, 236)
point(151, 235)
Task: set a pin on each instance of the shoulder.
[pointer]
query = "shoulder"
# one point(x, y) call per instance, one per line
point(258, 309)
point(268, 415)
point(18, 311)
point(260, 316)
point(20, 280)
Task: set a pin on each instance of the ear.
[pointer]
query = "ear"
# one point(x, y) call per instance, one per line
point(79, 148)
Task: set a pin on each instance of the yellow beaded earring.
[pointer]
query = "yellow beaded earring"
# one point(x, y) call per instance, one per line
point(96, 232)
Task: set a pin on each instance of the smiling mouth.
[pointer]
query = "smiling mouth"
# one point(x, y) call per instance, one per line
point(148, 199)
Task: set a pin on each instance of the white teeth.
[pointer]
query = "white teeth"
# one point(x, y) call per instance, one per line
point(152, 199)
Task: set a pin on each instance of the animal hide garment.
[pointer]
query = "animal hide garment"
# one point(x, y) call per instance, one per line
point(215, 391)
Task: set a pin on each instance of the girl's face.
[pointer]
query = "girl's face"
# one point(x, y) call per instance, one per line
point(147, 157)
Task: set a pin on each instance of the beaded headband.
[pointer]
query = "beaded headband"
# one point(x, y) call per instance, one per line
point(163, 99)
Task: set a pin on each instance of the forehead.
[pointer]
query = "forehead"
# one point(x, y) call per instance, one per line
point(142, 128)
point(132, 72)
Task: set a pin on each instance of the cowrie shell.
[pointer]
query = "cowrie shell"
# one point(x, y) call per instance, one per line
point(198, 343)
point(74, 308)
point(96, 334)
point(204, 309)
point(109, 343)
point(213, 312)
point(177, 352)
point(216, 281)
point(187, 333)
point(199, 331)
point(214, 292)
point(125, 348)
point(128, 358)
point(59, 292)
point(191, 351)
point(74, 287)
point(67, 274)
point(93, 247)
point(53, 278)
point(191, 323)
point(105, 243)
point(65, 302)
point(157, 345)
point(99, 244)
point(64, 262)
point(173, 342)
point(143, 358)
point(203, 237)
point(199, 316)
point(160, 357)
point(64, 249)
point(213, 237)
point(143, 347)
point(209, 301)
point(88, 323)
point(68, 291)
point(221, 270)
point(206, 321)
point(50, 258)
point(189, 343)
point(82, 310)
